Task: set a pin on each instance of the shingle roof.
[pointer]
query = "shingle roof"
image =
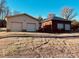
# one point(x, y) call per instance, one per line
point(57, 18)
point(21, 15)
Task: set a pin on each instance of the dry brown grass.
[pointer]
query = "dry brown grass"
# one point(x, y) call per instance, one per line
point(38, 48)
point(29, 47)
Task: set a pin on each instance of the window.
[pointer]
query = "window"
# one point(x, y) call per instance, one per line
point(60, 26)
point(67, 26)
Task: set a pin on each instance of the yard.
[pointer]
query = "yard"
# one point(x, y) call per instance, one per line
point(39, 45)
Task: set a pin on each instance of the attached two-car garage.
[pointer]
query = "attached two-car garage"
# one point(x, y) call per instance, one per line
point(22, 22)
point(18, 27)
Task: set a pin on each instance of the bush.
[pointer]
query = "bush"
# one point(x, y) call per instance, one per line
point(8, 30)
point(24, 30)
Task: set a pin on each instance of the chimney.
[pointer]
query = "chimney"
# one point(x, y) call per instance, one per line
point(51, 16)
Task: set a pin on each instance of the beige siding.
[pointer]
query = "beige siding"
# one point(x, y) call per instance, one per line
point(23, 19)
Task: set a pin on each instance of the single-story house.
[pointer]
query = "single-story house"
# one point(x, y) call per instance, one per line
point(21, 22)
point(56, 24)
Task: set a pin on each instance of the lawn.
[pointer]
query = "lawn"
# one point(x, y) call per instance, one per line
point(33, 47)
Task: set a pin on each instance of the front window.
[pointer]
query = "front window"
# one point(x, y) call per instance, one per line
point(67, 26)
point(60, 26)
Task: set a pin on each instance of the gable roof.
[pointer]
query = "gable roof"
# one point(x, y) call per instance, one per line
point(22, 15)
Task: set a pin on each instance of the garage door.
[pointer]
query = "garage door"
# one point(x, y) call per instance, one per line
point(31, 27)
point(16, 27)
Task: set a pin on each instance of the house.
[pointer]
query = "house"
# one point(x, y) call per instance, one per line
point(56, 24)
point(21, 22)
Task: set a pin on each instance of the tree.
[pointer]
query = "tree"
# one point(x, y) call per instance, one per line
point(7, 12)
point(40, 19)
point(75, 22)
point(68, 13)
point(75, 25)
point(4, 10)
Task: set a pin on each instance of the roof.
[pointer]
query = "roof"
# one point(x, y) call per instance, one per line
point(22, 15)
point(57, 19)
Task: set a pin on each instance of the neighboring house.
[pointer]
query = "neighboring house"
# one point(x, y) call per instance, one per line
point(56, 25)
point(22, 22)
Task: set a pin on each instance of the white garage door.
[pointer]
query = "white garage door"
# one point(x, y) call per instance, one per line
point(31, 27)
point(16, 27)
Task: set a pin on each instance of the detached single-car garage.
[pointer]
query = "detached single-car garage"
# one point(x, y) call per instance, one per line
point(22, 22)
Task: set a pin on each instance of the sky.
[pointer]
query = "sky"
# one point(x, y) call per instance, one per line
point(42, 7)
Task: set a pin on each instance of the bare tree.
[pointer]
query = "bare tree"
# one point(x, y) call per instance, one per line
point(7, 12)
point(68, 13)
point(4, 10)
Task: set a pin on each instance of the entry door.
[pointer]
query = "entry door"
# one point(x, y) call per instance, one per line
point(16, 27)
point(31, 27)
